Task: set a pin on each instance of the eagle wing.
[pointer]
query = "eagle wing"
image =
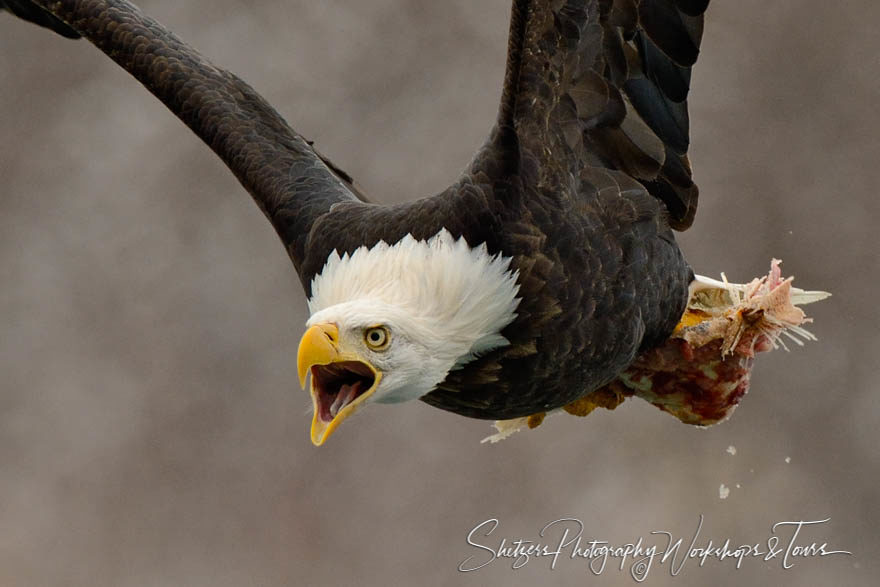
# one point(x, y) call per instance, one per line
point(599, 86)
point(290, 181)
point(594, 90)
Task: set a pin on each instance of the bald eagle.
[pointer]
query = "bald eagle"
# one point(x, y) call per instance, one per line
point(534, 279)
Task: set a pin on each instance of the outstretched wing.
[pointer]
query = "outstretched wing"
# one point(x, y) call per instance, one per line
point(598, 87)
point(290, 181)
point(595, 90)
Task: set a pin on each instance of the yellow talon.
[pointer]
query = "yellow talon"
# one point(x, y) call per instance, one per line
point(691, 318)
point(601, 398)
point(535, 419)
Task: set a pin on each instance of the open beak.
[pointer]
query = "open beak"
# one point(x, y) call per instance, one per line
point(341, 380)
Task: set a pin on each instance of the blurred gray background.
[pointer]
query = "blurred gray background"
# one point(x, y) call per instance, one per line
point(152, 430)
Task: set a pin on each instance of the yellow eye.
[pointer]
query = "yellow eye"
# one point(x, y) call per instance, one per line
point(377, 337)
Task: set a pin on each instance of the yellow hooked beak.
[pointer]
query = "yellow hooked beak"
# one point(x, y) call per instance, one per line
point(341, 380)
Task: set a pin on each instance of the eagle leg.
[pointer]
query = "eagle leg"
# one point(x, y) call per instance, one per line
point(702, 371)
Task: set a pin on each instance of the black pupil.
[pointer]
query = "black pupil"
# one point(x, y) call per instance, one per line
point(375, 336)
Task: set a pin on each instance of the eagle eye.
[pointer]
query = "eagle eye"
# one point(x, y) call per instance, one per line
point(377, 337)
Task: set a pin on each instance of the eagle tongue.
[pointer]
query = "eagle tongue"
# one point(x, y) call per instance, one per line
point(338, 400)
point(346, 394)
point(353, 391)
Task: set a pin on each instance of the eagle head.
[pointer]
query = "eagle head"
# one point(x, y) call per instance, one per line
point(389, 322)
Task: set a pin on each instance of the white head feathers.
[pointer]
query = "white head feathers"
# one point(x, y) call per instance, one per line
point(441, 294)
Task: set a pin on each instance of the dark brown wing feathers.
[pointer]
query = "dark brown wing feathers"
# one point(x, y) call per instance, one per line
point(605, 84)
point(588, 84)
point(290, 182)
